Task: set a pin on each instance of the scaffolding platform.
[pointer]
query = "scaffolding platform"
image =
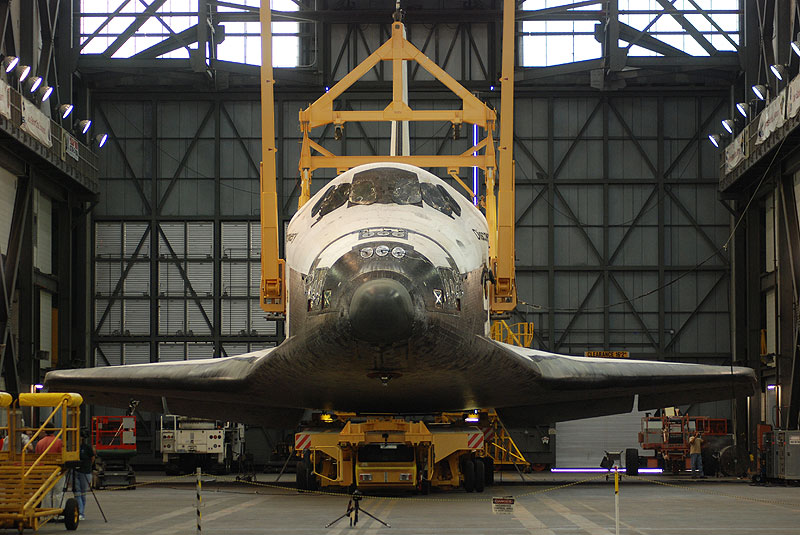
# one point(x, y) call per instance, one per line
point(26, 478)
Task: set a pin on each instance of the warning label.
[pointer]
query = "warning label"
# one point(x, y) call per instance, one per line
point(607, 354)
point(503, 505)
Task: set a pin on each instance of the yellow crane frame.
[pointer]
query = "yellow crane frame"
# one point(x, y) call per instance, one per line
point(499, 208)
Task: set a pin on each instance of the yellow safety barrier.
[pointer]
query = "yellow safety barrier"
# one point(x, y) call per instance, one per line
point(47, 399)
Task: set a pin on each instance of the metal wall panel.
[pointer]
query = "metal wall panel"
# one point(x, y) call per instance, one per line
point(8, 191)
point(614, 205)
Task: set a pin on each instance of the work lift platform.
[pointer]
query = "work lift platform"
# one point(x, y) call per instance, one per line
point(25, 477)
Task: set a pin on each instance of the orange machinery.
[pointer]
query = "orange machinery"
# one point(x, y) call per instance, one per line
point(668, 436)
point(114, 441)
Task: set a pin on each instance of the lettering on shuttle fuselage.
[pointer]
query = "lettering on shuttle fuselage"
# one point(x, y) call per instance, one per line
point(481, 235)
point(369, 233)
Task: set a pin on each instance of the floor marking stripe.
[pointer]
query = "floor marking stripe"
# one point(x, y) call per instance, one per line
point(234, 509)
point(530, 522)
point(187, 511)
point(579, 520)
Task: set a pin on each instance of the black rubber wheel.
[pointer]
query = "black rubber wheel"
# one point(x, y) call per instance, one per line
point(425, 487)
point(468, 470)
point(301, 476)
point(480, 475)
point(632, 461)
point(488, 464)
point(727, 461)
point(71, 514)
point(311, 479)
point(710, 463)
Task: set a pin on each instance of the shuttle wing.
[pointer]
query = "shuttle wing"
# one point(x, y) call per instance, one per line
point(526, 386)
point(223, 389)
point(571, 387)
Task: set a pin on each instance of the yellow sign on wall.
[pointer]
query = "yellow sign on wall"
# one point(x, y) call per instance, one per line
point(607, 354)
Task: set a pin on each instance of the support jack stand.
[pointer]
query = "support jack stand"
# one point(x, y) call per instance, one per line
point(353, 509)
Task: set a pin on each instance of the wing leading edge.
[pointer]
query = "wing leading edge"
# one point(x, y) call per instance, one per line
point(570, 387)
point(527, 387)
point(222, 389)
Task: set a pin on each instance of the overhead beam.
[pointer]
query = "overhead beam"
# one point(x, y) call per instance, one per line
point(133, 28)
point(689, 27)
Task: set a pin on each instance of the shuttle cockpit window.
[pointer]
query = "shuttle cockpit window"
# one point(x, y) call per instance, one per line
point(436, 196)
point(385, 186)
point(333, 199)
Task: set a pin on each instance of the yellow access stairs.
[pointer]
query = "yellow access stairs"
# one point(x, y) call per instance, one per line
point(25, 477)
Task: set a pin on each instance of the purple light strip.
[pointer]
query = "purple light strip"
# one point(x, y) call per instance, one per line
point(601, 470)
point(475, 169)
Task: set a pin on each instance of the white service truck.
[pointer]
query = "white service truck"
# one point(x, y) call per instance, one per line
point(187, 443)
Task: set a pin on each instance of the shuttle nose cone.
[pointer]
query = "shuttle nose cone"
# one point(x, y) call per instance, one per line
point(381, 312)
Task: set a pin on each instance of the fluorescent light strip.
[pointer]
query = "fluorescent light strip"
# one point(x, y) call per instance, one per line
point(601, 470)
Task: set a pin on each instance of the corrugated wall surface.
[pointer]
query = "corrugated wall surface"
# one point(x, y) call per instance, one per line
point(617, 220)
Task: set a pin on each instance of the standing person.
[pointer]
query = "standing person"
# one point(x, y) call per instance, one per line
point(56, 494)
point(45, 441)
point(83, 474)
point(695, 451)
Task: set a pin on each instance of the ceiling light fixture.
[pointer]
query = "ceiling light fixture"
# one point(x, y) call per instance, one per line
point(64, 110)
point(35, 82)
point(742, 108)
point(729, 125)
point(10, 63)
point(761, 91)
point(779, 71)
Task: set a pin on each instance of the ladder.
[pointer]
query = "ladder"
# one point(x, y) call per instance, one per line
point(25, 477)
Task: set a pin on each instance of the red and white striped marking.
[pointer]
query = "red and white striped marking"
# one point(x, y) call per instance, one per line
point(488, 434)
point(475, 441)
point(302, 441)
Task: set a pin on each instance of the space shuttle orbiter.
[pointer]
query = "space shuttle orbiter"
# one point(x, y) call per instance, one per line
point(388, 280)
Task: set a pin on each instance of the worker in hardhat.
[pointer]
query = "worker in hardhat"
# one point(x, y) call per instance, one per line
point(696, 453)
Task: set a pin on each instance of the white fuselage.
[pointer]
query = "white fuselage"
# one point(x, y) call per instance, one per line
point(449, 241)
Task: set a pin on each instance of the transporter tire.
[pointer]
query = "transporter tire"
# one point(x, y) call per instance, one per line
point(488, 464)
point(480, 475)
point(71, 516)
point(312, 484)
point(632, 461)
point(468, 471)
point(301, 476)
point(425, 487)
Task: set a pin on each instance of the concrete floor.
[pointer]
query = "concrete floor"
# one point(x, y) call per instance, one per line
point(677, 506)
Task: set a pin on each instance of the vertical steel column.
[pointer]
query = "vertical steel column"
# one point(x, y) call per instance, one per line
point(789, 286)
point(9, 348)
point(154, 234)
point(28, 322)
point(661, 217)
point(754, 237)
point(217, 274)
point(551, 246)
point(606, 245)
point(65, 247)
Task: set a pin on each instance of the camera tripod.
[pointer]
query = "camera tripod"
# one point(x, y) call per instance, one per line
point(70, 477)
point(353, 508)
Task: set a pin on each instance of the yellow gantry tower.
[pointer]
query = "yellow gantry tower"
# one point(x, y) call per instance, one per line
point(397, 50)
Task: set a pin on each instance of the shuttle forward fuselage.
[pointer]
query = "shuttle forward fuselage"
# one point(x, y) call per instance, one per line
point(387, 271)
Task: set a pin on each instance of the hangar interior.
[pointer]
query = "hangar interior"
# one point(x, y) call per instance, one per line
point(138, 240)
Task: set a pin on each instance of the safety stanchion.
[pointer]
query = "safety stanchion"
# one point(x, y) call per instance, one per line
point(199, 499)
point(616, 498)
